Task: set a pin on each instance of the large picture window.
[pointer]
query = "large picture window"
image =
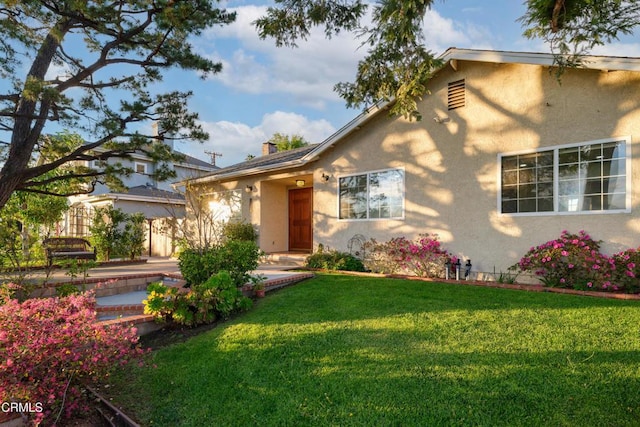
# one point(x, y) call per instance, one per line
point(373, 195)
point(589, 177)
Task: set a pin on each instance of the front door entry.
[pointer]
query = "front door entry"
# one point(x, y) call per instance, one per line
point(300, 219)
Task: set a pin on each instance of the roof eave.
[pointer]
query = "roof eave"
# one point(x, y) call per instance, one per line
point(246, 172)
point(347, 129)
point(133, 198)
point(535, 58)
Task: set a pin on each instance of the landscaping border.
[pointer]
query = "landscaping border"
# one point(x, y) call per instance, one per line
point(493, 284)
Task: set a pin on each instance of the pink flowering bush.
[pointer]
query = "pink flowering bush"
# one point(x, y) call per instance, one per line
point(571, 261)
point(422, 257)
point(626, 270)
point(50, 348)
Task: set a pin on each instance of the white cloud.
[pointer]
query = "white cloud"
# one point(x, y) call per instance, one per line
point(441, 33)
point(618, 49)
point(309, 72)
point(306, 73)
point(237, 140)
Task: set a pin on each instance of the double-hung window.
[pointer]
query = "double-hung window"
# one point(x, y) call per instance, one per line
point(372, 195)
point(578, 178)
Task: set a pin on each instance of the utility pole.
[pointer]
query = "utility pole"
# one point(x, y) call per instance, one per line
point(213, 155)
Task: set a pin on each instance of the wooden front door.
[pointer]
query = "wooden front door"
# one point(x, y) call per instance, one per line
point(300, 219)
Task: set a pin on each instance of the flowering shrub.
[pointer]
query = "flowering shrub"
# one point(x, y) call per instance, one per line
point(422, 257)
point(571, 261)
point(626, 270)
point(50, 348)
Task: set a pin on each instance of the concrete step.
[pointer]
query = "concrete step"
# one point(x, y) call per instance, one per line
point(293, 259)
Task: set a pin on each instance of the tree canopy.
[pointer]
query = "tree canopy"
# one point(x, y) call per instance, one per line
point(572, 28)
point(398, 65)
point(89, 67)
point(288, 142)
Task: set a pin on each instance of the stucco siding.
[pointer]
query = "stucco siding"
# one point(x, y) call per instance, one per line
point(451, 168)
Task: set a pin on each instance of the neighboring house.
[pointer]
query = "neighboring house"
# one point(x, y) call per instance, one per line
point(158, 201)
point(506, 157)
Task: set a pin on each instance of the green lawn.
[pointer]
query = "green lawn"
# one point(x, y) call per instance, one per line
point(351, 351)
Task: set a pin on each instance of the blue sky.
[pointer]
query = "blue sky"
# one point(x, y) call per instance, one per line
point(264, 89)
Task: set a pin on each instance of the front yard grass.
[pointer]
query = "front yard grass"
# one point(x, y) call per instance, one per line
point(352, 351)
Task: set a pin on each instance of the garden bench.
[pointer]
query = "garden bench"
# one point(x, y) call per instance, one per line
point(68, 248)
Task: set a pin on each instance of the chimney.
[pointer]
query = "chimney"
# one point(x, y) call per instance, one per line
point(268, 148)
point(158, 131)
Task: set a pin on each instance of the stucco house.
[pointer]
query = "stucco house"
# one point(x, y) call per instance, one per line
point(159, 201)
point(505, 158)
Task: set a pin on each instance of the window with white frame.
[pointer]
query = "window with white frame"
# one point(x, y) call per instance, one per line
point(586, 177)
point(372, 195)
point(141, 168)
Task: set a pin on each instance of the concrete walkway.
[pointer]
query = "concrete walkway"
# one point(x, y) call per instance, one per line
point(273, 274)
point(276, 275)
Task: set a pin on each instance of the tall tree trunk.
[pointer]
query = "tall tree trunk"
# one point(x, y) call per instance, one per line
point(29, 124)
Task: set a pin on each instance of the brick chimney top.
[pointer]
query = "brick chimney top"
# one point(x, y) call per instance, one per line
point(268, 148)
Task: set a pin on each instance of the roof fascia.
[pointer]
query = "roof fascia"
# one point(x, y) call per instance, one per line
point(132, 198)
point(244, 172)
point(350, 127)
point(605, 63)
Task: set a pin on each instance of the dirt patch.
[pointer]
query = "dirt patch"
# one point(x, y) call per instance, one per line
point(172, 334)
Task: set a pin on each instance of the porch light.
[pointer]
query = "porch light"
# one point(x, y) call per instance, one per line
point(300, 182)
point(325, 177)
point(248, 189)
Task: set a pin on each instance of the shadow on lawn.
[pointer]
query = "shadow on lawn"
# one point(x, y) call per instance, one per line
point(350, 351)
point(355, 377)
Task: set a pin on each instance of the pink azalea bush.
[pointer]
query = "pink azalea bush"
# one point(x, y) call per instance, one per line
point(626, 270)
point(50, 348)
point(571, 261)
point(575, 261)
point(424, 256)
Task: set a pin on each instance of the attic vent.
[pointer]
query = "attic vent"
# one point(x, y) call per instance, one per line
point(456, 95)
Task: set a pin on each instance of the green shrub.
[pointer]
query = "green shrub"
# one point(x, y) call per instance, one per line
point(240, 231)
point(218, 297)
point(107, 231)
point(334, 260)
point(67, 289)
point(133, 237)
point(237, 257)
